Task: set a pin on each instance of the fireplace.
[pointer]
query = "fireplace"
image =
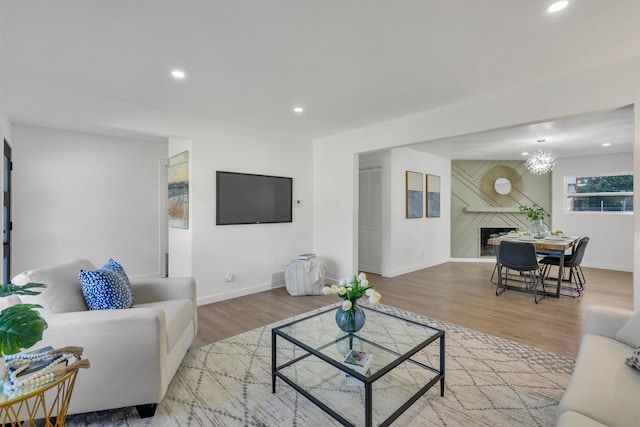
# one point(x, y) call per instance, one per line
point(487, 233)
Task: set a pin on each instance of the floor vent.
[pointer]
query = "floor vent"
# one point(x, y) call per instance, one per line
point(277, 279)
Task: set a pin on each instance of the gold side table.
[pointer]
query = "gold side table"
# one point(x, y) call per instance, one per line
point(49, 402)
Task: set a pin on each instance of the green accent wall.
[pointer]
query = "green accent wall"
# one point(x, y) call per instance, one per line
point(475, 203)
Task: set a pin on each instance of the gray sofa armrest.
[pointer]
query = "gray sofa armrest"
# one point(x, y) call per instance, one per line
point(163, 289)
point(605, 321)
point(126, 349)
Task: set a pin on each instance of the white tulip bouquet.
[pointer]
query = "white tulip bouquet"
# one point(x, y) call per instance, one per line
point(352, 288)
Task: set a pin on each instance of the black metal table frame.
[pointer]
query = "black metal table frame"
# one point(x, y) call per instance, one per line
point(367, 380)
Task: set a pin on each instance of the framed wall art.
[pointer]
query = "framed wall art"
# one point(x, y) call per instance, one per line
point(433, 196)
point(415, 194)
point(178, 182)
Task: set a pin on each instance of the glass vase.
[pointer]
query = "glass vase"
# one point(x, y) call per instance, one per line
point(350, 320)
point(538, 229)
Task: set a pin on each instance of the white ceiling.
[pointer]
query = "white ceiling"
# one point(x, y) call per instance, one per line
point(578, 136)
point(349, 63)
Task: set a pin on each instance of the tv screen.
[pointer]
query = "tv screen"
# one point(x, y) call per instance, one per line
point(252, 199)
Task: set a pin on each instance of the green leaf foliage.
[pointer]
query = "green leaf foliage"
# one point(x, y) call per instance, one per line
point(11, 289)
point(534, 212)
point(21, 326)
point(604, 184)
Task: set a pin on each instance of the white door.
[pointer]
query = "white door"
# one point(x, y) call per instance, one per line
point(370, 221)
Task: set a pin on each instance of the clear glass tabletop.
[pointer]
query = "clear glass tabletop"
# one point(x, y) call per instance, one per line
point(403, 364)
point(386, 336)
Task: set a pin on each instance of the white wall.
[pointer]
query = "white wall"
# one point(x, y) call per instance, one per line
point(84, 195)
point(418, 243)
point(5, 127)
point(250, 252)
point(602, 88)
point(611, 235)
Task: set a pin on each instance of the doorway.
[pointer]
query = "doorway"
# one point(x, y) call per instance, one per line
point(7, 224)
point(370, 221)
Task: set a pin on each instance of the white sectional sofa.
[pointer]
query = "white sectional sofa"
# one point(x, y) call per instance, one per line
point(134, 352)
point(603, 390)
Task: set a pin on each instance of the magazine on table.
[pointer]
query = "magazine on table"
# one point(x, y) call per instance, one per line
point(359, 361)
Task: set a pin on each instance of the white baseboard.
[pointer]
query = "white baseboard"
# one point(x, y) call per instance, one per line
point(608, 267)
point(235, 294)
point(491, 260)
point(411, 269)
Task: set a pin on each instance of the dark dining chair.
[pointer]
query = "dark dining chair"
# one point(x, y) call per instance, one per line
point(521, 257)
point(572, 262)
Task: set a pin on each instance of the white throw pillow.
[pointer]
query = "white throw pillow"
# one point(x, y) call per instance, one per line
point(630, 332)
point(62, 293)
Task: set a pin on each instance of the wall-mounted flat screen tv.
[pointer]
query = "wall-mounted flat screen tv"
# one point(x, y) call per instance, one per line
point(243, 198)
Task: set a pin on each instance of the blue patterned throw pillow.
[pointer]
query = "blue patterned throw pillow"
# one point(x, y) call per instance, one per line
point(634, 360)
point(112, 265)
point(107, 287)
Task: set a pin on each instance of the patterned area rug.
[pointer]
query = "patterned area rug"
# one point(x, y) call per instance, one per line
point(489, 382)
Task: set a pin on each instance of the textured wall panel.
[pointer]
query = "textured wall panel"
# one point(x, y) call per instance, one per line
point(472, 188)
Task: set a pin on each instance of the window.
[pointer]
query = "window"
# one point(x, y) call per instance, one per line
point(604, 193)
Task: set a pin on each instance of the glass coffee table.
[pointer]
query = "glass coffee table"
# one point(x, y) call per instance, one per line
point(403, 365)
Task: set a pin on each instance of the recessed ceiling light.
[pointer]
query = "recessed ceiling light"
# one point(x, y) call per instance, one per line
point(557, 6)
point(606, 144)
point(298, 110)
point(525, 154)
point(178, 74)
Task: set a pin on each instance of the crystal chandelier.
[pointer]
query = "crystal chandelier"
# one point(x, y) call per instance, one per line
point(541, 162)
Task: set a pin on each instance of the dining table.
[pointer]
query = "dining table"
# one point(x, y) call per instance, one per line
point(547, 245)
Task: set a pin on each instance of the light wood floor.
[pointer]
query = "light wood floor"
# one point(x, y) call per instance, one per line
point(458, 293)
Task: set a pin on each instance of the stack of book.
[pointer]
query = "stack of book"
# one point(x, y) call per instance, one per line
point(306, 257)
point(360, 362)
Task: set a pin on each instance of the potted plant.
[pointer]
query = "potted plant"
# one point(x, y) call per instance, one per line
point(536, 214)
point(21, 325)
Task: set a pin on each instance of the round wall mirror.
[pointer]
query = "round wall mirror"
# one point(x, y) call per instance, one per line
point(502, 186)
